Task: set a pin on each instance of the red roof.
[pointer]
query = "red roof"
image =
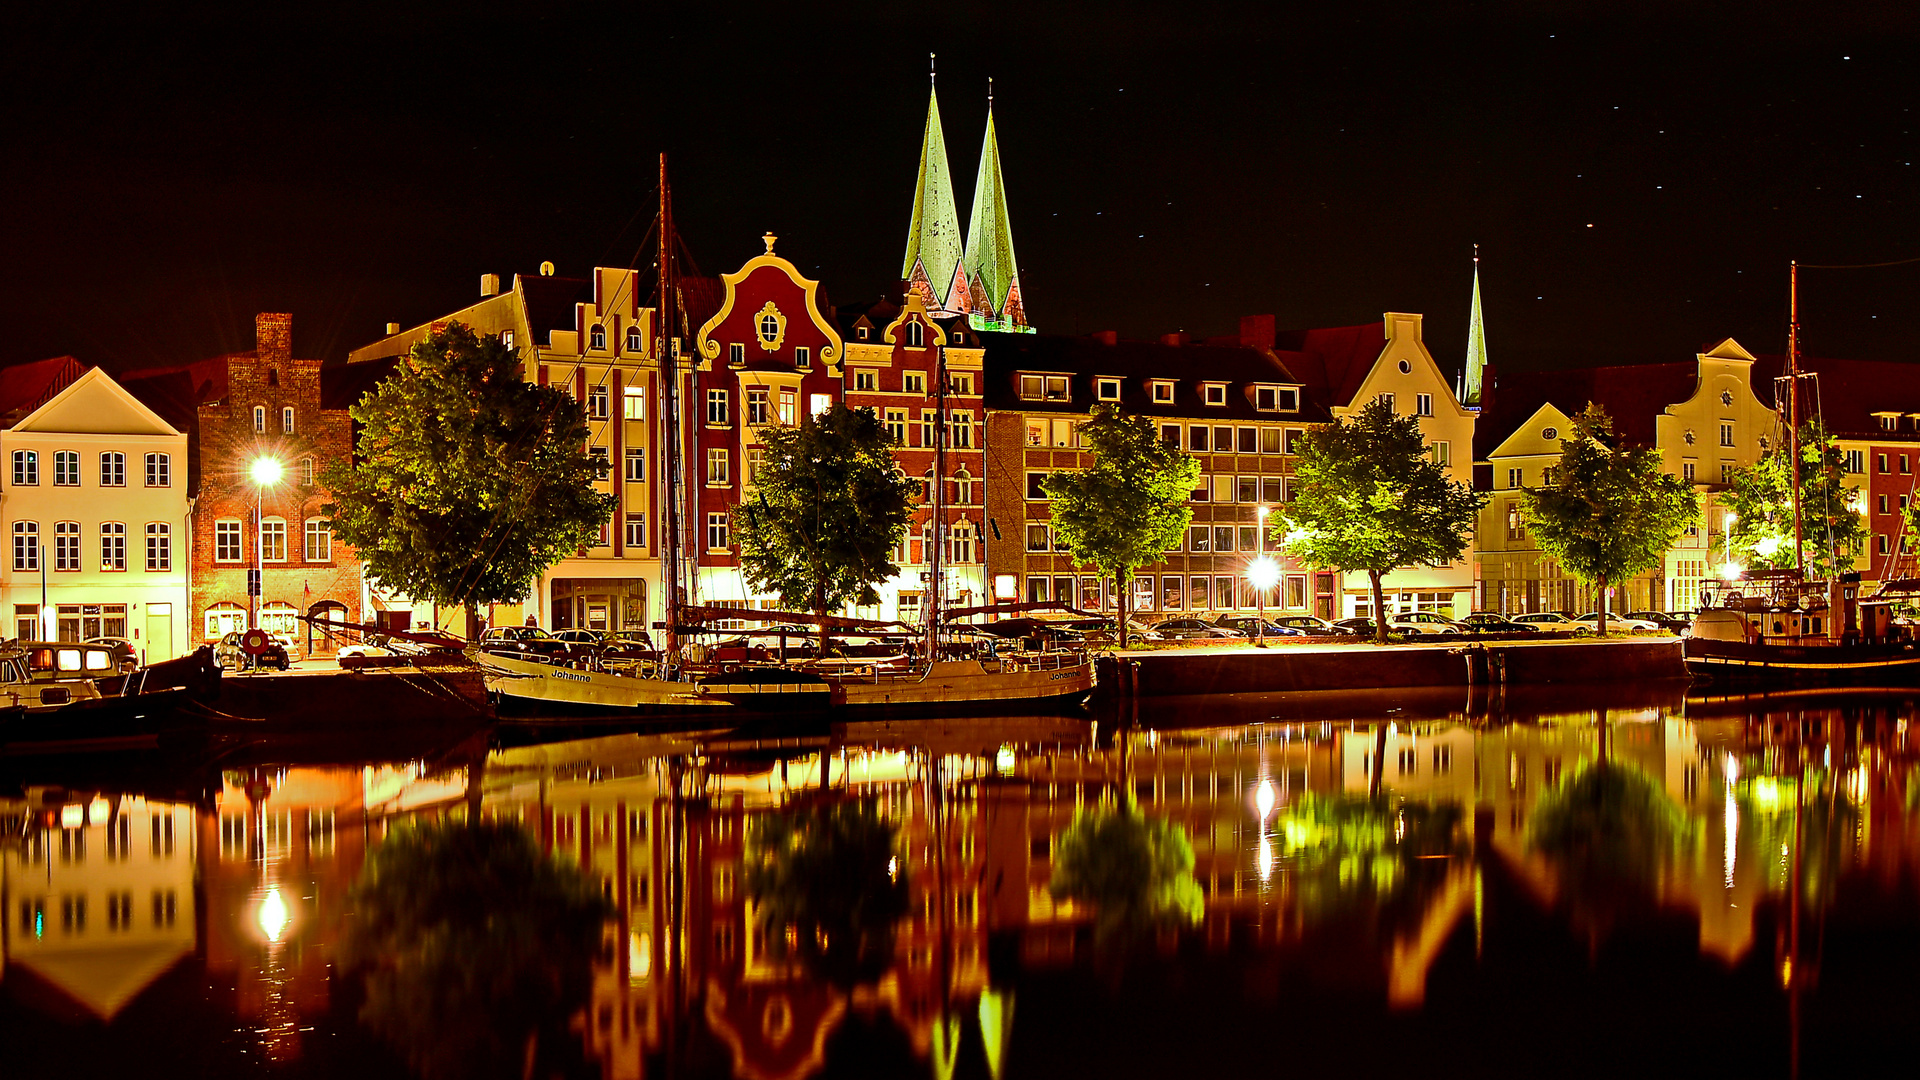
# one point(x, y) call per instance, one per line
point(1332, 362)
point(1849, 391)
point(26, 387)
point(1632, 394)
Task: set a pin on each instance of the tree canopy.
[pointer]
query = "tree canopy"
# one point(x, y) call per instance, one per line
point(830, 873)
point(467, 481)
point(1136, 872)
point(474, 949)
point(1761, 498)
point(825, 509)
point(1370, 497)
point(1607, 513)
point(1130, 507)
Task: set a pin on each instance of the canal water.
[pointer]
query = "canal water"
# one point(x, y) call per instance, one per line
point(1602, 881)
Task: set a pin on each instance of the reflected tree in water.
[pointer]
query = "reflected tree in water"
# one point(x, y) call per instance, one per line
point(1609, 832)
point(1135, 872)
point(1820, 815)
point(474, 949)
point(829, 889)
point(1367, 858)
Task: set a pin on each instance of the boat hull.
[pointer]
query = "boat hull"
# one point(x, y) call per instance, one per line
point(1886, 664)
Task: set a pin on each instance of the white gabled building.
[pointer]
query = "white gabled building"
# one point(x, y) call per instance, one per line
point(95, 502)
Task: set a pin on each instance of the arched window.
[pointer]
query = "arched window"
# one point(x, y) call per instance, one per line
point(113, 545)
point(273, 539)
point(225, 618)
point(915, 335)
point(635, 343)
point(66, 545)
point(306, 472)
point(278, 618)
point(286, 420)
point(260, 419)
point(26, 468)
point(962, 537)
point(597, 338)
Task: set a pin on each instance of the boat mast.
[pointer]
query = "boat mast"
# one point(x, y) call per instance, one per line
point(935, 564)
point(1793, 405)
point(670, 428)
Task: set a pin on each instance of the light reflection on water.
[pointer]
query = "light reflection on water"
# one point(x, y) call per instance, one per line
point(1379, 848)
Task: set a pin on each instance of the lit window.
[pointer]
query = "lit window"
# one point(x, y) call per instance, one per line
point(286, 420)
point(719, 474)
point(113, 545)
point(273, 540)
point(226, 541)
point(635, 401)
point(260, 419)
point(159, 546)
point(786, 406)
point(26, 468)
point(818, 404)
point(159, 470)
point(1057, 388)
point(319, 541)
point(1032, 387)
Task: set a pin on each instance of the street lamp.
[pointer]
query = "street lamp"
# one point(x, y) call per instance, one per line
point(266, 472)
point(1261, 574)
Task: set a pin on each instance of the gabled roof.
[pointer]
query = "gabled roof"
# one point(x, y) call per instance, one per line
point(95, 404)
point(1332, 362)
point(550, 302)
point(26, 387)
point(1086, 359)
point(1632, 394)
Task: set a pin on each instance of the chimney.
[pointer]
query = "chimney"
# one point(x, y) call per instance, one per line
point(1256, 331)
point(1175, 339)
point(393, 328)
point(489, 285)
point(1106, 337)
point(273, 336)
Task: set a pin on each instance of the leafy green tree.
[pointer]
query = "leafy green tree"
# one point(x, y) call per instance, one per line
point(826, 510)
point(475, 951)
point(466, 481)
point(831, 876)
point(1761, 498)
point(1136, 872)
point(1366, 860)
point(1607, 513)
point(1609, 832)
point(1370, 497)
point(1130, 507)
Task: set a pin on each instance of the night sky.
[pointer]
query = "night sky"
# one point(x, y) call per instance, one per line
point(1637, 182)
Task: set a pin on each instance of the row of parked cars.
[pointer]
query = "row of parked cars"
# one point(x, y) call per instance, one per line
point(1412, 623)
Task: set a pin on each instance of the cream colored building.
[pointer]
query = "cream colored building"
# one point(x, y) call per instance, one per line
point(1407, 377)
point(96, 511)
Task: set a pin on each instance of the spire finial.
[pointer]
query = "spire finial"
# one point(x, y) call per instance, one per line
point(1476, 254)
point(768, 238)
point(989, 93)
point(930, 71)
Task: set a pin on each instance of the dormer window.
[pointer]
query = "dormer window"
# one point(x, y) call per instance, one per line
point(1161, 390)
point(506, 338)
point(959, 337)
point(1889, 421)
point(1215, 393)
point(916, 336)
point(802, 356)
point(597, 338)
point(1044, 388)
point(737, 353)
point(1108, 389)
point(860, 332)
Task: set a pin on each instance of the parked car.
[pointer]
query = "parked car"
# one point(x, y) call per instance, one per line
point(1671, 622)
point(1490, 622)
point(1422, 622)
point(125, 656)
point(1249, 626)
point(229, 654)
point(1356, 626)
point(372, 645)
point(1313, 625)
point(581, 640)
point(1616, 621)
point(1101, 631)
point(1193, 629)
point(527, 641)
point(1554, 620)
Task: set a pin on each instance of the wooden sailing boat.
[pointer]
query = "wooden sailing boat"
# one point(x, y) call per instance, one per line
point(1781, 627)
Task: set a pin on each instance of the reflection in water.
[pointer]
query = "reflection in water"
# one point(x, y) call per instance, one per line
point(873, 900)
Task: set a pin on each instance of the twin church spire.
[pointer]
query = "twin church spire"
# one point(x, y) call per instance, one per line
point(980, 280)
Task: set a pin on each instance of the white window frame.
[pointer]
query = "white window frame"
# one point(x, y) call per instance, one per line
point(717, 532)
point(1160, 391)
point(316, 541)
point(113, 468)
point(286, 420)
point(159, 547)
point(229, 532)
point(26, 545)
point(159, 470)
point(26, 468)
point(113, 546)
point(275, 551)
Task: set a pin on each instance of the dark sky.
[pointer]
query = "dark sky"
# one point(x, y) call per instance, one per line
point(1637, 174)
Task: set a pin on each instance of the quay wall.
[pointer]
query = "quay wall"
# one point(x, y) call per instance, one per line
point(1284, 668)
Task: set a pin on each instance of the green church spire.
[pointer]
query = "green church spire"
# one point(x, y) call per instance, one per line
point(997, 303)
point(1476, 340)
point(932, 266)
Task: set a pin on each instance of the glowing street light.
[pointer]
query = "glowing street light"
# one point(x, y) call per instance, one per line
point(1261, 574)
point(272, 915)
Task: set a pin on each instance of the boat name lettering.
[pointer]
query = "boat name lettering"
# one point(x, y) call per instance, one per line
point(568, 675)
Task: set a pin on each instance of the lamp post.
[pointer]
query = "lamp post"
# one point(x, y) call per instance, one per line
point(1727, 526)
point(266, 472)
point(1261, 574)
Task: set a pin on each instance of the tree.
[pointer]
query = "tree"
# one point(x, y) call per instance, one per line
point(475, 951)
point(833, 876)
point(1136, 872)
point(1130, 507)
point(1370, 497)
point(1606, 513)
point(1761, 499)
point(826, 509)
point(466, 481)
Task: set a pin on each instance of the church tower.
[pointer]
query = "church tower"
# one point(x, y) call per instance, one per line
point(933, 269)
point(997, 303)
point(1476, 341)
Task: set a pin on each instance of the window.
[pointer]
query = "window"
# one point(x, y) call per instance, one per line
point(769, 329)
point(26, 621)
point(224, 619)
point(1294, 435)
point(226, 541)
point(636, 531)
point(717, 408)
point(635, 342)
point(960, 430)
point(1034, 490)
point(506, 338)
point(1161, 390)
point(636, 465)
point(802, 356)
point(159, 470)
point(913, 382)
point(1441, 452)
point(1513, 477)
point(1266, 398)
point(26, 545)
point(159, 546)
point(1197, 439)
point(1516, 524)
point(260, 419)
point(1216, 393)
point(597, 337)
point(286, 420)
point(1388, 398)
point(319, 541)
point(961, 384)
point(756, 460)
point(602, 467)
point(861, 333)
point(113, 545)
point(916, 336)
point(277, 617)
point(1880, 462)
point(66, 545)
point(786, 406)
point(1199, 539)
point(66, 468)
point(1037, 590)
point(306, 472)
point(597, 407)
point(866, 379)
point(1273, 489)
point(737, 353)
point(1880, 545)
point(716, 532)
point(26, 468)
point(1223, 440)
point(1247, 489)
point(1289, 399)
point(1726, 433)
point(757, 410)
point(635, 403)
point(1726, 472)
point(1423, 404)
point(927, 425)
point(819, 404)
point(1223, 538)
point(963, 488)
point(1170, 435)
point(1270, 440)
point(1107, 389)
point(1856, 461)
point(1037, 538)
point(273, 540)
point(897, 426)
point(1883, 504)
point(1686, 471)
point(1905, 466)
point(719, 470)
point(113, 469)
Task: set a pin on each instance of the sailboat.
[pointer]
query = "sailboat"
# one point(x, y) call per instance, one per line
point(1783, 627)
point(945, 677)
